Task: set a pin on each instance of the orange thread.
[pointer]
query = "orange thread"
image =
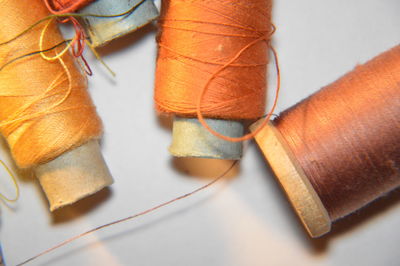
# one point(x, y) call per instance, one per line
point(45, 107)
point(65, 6)
point(212, 60)
point(59, 7)
point(131, 217)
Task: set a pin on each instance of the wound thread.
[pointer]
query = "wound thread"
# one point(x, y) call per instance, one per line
point(45, 107)
point(346, 137)
point(197, 41)
point(65, 6)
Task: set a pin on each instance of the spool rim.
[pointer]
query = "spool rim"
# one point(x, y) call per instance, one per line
point(293, 180)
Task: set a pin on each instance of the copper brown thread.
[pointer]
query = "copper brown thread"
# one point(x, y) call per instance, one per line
point(137, 215)
point(346, 137)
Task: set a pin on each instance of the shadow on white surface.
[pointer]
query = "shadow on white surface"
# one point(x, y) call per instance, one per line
point(127, 41)
point(344, 226)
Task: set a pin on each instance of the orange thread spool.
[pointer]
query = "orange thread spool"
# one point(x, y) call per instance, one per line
point(342, 144)
point(46, 113)
point(36, 128)
point(196, 39)
point(212, 64)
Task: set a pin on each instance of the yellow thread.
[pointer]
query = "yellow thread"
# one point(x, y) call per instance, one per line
point(15, 184)
point(98, 57)
point(58, 56)
point(42, 51)
point(33, 53)
point(57, 81)
point(71, 15)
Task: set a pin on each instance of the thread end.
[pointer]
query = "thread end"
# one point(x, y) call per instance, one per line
point(104, 30)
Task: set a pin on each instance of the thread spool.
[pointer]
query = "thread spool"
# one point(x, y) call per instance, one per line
point(197, 40)
point(103, 30)
point(46, 114)
point(339, 149)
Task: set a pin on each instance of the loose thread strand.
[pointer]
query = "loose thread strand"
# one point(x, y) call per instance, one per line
point(14, 182)
point(96, 54)
point(98, 57)
point(71, 8)
point(35, 53)
point(132, 216)
point(70, 42)
point(212, 61)
point(70, 15)
point(59, 55)
point(267, 117)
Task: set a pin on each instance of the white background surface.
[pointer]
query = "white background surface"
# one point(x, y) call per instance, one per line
point(245, 221)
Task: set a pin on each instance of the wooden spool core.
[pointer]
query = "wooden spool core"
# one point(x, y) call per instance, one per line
point(74, 175)
point(103, 30)
point(298, 188)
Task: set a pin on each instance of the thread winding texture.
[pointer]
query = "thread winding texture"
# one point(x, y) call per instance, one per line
point(66, 6)
point(216, 50)
point(346, 137)
point(45, 107)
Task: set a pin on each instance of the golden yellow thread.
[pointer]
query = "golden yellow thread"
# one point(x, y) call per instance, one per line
point(132, 9)
point(41, 45)
point(15, 184)
point(51, 87)
point(98, 57)
point(65, 50)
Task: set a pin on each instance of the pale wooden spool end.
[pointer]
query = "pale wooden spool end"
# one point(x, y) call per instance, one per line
point(103, 30)
point(298, 188)
point(74, 175)
point(191, 139)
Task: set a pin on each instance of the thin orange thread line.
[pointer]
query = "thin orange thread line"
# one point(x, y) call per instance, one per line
point(212, 33)
point(268, 116)
point(69, 9)
point(132, 216)
point(188, 57)
point(211, 62)
point(222, 15)
point(160, 21)
point(209, 107)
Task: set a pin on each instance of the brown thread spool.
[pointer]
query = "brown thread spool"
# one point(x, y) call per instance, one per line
point(56, 137)
point(339, 149)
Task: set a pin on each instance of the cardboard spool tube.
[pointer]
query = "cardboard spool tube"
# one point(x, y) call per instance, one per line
point(74, 175)
point(103, 30)
point(293, 180)
point(191, 139)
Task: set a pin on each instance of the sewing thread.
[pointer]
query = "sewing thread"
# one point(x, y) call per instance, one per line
point(346, 137)
point(212, 60)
